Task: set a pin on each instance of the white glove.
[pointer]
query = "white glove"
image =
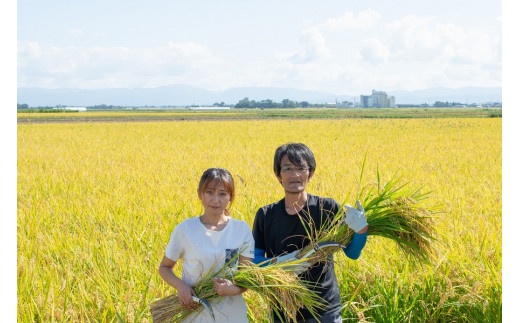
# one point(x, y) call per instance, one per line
point(355, 218)
point(296, 268)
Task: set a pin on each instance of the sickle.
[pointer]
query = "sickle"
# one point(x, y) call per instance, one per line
point(206, 304)
point(323, 244)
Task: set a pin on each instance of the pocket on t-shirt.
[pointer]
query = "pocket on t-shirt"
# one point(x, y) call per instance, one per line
point(232, 254)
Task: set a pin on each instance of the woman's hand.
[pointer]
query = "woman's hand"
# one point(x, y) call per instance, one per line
point(225, 287)
point(184, 293)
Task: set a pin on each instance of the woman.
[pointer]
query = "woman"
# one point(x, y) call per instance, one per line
point(208, 242)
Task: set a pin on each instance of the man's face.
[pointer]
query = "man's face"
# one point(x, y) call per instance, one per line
point(294, 178)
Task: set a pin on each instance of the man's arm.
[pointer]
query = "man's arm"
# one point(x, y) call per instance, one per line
point(260, 258)
point(353, 250)
point(258, 235)
point(356, 220)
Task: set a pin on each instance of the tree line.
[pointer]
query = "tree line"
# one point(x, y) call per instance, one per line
point(245, 103)
point(286, 103)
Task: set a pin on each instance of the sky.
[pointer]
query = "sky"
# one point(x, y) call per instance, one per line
point(341, 47)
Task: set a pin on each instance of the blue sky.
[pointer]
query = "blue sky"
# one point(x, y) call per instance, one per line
point(334, 46)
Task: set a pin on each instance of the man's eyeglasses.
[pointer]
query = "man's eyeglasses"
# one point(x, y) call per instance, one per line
point(290, 169)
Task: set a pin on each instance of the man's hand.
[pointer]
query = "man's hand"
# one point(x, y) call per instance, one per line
point(355, 217)
point(296, 268)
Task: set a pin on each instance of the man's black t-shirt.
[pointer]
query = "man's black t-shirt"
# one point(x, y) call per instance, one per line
point(278, 233)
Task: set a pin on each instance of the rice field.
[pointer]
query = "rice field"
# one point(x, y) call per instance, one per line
point(98, 201)
point(151, 114)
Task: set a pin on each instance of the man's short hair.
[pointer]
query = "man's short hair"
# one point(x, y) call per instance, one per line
point(297, 153)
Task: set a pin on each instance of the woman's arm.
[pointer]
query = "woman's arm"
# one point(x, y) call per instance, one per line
point(184, 292)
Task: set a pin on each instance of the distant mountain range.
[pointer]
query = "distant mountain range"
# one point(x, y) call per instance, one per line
point(182, 95)
point(462, 95)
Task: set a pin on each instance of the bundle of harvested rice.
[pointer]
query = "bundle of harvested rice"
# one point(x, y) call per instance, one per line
point(279, 287)
point(394, 211)
point(276, 284)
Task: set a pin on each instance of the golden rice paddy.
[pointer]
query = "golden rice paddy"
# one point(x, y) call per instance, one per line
point(98, 201)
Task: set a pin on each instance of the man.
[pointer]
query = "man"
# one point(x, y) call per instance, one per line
point(279, 232)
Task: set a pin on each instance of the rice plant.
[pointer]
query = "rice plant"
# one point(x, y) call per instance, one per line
point(96, 203)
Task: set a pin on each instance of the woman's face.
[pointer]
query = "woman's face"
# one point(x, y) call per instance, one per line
point(215, 199)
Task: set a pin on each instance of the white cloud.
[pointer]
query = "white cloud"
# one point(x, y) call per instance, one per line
point(409, 53)
point(374, 51)
point(350, 21)
point(419, 52)
point(423, 39)
point(44, 65)
point(75, 32)
point(313, 48)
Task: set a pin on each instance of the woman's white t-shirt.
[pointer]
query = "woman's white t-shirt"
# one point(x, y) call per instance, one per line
point(202, 250)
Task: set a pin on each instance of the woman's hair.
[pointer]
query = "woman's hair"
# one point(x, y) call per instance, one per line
point(218, 176)
point(297, 154)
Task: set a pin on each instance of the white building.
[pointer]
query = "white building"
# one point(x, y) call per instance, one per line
point(80, 109)
point(210, 108)
point(378, 99)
